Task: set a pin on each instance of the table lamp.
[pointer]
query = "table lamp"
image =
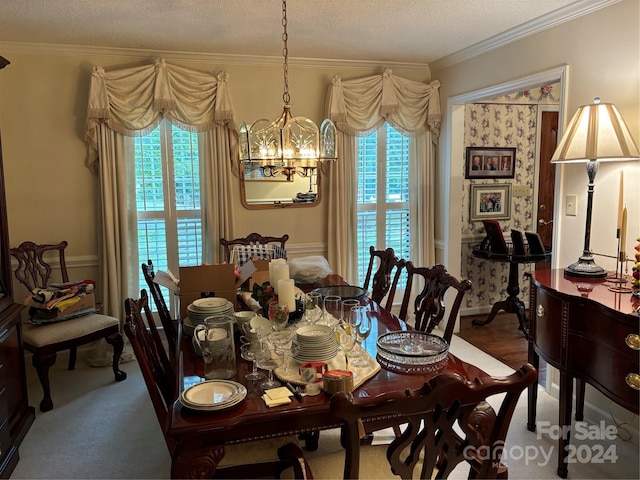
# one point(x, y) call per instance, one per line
point(596, 133)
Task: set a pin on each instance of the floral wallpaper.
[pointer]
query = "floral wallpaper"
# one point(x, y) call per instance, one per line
point(507, 121)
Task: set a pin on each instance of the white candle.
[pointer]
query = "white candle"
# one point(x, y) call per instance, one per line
point(272, 263)
point(623, 233)
point(620, 200)
point(286, 294)
point(280, 272)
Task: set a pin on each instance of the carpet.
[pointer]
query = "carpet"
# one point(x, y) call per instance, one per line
point(101, 429)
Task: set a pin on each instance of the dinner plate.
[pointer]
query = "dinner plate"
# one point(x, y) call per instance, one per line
point(342, 291)
point(210, 302)
point(213, 395)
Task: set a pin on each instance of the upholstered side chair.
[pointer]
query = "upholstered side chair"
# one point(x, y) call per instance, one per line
point(45, 341)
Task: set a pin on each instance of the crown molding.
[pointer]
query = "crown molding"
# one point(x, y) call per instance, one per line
point(549, 20)
point(205, 58)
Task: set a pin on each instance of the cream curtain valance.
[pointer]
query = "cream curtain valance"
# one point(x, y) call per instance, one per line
point(133, 101)
point(358, 107)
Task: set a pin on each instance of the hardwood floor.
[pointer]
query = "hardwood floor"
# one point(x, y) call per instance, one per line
point(501, 339)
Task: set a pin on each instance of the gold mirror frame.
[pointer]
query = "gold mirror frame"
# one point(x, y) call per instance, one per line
point(276, 203)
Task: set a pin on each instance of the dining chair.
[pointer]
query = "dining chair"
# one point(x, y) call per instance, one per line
point(256, 245)
point(440, 430)
point(429, 307)
point(383, 283)
point(267, 457)
point(168, 324)
point(46, 340)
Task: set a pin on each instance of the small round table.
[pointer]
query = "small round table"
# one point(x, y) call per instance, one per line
point(512, 304)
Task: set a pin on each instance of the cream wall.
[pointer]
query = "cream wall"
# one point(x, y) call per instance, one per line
point(52, 196)
point(602, 52)
point(604, 64)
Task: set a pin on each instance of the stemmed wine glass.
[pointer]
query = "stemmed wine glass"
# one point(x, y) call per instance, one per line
point(346, 342)
point(282, 342)
point(314, 307)
point(278, 315)
point(332, 310)
point(360, 333)
point(268, 360)
point(248, 350)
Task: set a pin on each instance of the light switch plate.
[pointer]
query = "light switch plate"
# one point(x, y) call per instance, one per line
point(571, 205)
point(521, 191)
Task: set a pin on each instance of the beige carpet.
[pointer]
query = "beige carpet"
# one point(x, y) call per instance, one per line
point(102, 429)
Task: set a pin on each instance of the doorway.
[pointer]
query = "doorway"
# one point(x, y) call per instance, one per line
point(454, 150)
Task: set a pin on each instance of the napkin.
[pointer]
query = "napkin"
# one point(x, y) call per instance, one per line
point(277, 396)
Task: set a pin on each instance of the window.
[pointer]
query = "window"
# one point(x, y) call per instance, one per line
point(383, 195)
point(168, 200)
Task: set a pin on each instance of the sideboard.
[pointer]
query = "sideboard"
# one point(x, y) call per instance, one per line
point(590, 334)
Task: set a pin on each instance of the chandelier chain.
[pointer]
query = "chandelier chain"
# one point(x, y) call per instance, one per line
point(285, 53)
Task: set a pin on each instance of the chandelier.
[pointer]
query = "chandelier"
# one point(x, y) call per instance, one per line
point(289, 145)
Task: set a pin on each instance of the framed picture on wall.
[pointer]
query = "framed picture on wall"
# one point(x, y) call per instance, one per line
point(490, 200)
point(483, 162)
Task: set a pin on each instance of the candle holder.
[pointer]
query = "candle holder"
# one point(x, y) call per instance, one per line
point(620, 259)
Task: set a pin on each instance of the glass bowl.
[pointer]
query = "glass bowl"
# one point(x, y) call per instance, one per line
point(411, 351)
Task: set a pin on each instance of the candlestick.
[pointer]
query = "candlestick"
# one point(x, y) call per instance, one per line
point(620, 200)
point(623, 232)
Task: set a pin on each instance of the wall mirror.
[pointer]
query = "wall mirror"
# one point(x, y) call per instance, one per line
point(259, 191)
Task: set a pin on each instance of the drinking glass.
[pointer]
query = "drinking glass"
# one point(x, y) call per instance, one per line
point(314, 305)
point(268, 360)
point(278, 315)
point(347, 305)
point(351, 322)
point(346, 342)
point(360, 334)
point(248, 352)
point(332, 310)
point(282, 342)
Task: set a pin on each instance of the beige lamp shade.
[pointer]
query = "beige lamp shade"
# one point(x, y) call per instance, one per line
point(596, 132)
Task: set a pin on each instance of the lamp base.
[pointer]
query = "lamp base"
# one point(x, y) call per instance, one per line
point(585, 267)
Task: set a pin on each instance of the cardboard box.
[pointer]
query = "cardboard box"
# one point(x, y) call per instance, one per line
point(206, 281)
point(86, 302)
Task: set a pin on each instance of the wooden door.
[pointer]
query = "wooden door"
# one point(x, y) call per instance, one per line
point(547, 180)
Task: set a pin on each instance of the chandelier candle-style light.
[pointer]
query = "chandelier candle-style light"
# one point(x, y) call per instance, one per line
point(596, 133)
point(289, 145)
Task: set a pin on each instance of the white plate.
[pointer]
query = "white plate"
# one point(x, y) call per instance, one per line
point(213, 395)
point(210, 302)
point(313, 331)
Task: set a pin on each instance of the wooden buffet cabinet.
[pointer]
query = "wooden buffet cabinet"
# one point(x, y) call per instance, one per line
point(16, 416)
point(590, 334)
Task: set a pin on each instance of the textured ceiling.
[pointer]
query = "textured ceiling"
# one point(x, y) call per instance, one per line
point(415, 31)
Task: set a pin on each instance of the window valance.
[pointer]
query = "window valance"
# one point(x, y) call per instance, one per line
point(358, 107)
point(133, 101)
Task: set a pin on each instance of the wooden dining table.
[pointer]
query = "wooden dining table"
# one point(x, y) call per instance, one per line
point(201, 436)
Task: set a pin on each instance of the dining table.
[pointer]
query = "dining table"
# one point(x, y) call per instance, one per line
point(201, 436)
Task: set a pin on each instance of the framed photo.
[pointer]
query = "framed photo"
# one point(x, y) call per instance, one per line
point(494, 162)
point(490, 201)
point(253, 172)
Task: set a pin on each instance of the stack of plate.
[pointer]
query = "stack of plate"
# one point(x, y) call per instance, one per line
point(212, 395)
point(203, 308)
point(317, 343)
